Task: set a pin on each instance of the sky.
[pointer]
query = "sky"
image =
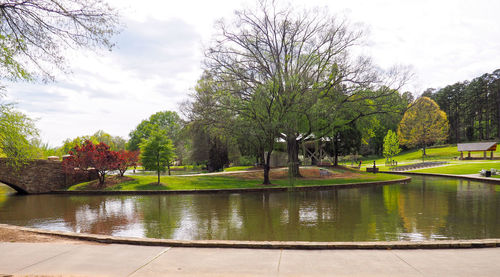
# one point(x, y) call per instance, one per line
point(158, 57)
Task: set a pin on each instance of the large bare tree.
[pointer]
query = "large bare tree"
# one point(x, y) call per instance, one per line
point(289, 70)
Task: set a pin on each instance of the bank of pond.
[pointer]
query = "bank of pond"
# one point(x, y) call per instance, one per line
point(427, 208)
point(311, 176)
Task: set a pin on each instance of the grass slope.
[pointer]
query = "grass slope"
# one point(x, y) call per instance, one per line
point(433, 154)
point(461, 169)
point(445, 153)
point(229, 182)
point(238, 168)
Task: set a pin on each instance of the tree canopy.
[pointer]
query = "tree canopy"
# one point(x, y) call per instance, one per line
point(423, 124)
point(168, 121)
point(90, 156)
point(16, 134)
point(35, 34)
point(472, 107)
point(115, 143)
point(291, 73)
point(157, 152)
point(34, 39)
point(391, 145)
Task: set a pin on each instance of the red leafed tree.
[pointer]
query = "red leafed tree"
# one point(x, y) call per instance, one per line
point(92, 156)
point(126, 159)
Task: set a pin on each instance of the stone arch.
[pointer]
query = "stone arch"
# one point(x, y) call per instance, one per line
point(39, 176)
point(16, 188)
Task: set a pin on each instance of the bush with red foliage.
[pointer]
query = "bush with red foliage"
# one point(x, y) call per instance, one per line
point(126, 159)
point(92, 156)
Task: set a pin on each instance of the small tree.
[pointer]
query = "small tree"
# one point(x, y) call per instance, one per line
point(423, 124)
point(17, 132)
point(391, 145)
point(126, 159)
point(92, 156)
point(157, 152)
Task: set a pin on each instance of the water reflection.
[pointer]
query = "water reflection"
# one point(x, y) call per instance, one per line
point(427, 208)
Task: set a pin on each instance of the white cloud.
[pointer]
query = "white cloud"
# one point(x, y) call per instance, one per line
point(158, 57)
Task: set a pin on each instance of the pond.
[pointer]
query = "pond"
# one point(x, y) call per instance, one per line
point(427, 208)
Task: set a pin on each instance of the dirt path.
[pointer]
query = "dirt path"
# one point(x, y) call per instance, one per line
point(8, 234)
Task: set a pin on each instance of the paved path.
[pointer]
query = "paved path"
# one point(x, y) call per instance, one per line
point(127, 260)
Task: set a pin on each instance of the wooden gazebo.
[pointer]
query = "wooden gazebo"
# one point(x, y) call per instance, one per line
point(476, 147)
point(315, 152)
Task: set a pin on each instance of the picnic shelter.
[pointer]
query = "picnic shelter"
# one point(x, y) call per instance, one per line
point(476, 147)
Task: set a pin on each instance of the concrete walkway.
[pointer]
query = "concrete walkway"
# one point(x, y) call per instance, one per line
point(127, 260)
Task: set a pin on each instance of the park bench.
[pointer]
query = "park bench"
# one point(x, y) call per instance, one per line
point(323, 172)
point(372, 169)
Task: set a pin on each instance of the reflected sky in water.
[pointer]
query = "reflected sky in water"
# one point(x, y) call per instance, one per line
point(427, 208)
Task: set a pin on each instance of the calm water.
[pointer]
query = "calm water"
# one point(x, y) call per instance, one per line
point(427, 208)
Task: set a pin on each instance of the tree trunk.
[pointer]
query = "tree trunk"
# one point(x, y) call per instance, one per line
point(423, 153)
point(487, 121)
point(267, 168)
point(498, 112)
point(262, 157)
point(101, 179)
point(293, 156)
point(158, 167)
point(335, 151)
point(480, 125)
point(168, 167)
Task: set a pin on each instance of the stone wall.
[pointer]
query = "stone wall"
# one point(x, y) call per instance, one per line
point(40, 176)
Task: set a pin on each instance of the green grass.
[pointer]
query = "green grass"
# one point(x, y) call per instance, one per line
point(445, 153)
point(463, 168)
point(186, 167)
point(227, 182)
point(174, 170)
point(189, 169)
point(238, 168)
point(415, 155)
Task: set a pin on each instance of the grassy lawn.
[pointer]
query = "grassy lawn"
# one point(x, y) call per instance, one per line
point(446, 153)
point(186, 167)
point(230, 182)
point(469, 167)
point(415, 156)
point(174, 170)
point(238, 168)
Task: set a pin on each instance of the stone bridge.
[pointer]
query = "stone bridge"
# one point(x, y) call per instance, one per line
point(39, 176)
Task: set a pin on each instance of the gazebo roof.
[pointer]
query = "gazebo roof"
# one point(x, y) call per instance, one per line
point(477, 146)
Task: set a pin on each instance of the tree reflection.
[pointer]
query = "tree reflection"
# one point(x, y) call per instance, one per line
point(85, 214)
point(427, 208)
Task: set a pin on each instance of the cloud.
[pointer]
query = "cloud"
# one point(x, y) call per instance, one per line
point(153, 69)
point(159, 48)
point(158, 57)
